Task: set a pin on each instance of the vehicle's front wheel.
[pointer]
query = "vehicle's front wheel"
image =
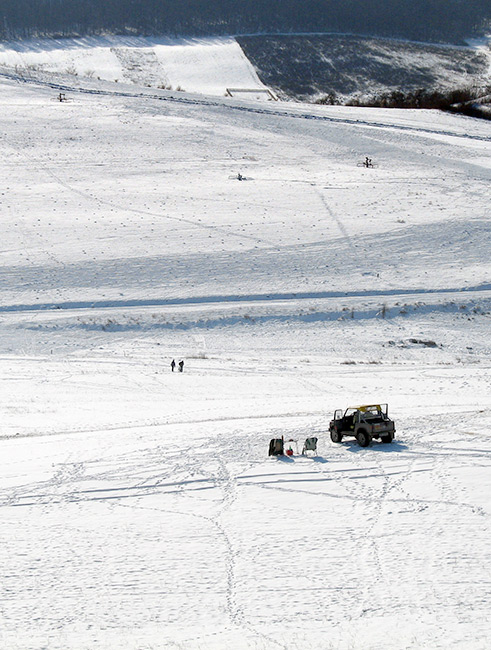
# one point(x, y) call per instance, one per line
point(363, 438)
point(388, 437)
point(336, 436)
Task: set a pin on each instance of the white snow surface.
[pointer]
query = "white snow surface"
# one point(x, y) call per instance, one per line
point(139, 507)
point(206, 65)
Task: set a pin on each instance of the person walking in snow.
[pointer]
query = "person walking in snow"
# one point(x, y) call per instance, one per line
point(181, 366)
point(173, 364)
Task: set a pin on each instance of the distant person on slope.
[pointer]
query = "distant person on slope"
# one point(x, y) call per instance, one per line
point(181, 366)
point(172, 364)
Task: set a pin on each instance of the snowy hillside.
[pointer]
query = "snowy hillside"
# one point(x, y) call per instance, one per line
point(302, 67)
point(311, 65)
point(207, 66)
point(139, 507)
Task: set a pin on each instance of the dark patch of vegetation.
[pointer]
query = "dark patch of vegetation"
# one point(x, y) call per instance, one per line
point(466, 101)
point(420, 98)
point(427, 344)
point(427, 20)
point(335, 66)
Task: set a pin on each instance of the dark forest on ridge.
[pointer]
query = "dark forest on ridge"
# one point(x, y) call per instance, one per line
point(427, 20)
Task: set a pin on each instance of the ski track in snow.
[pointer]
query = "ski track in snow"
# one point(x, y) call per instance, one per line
point(249, 109)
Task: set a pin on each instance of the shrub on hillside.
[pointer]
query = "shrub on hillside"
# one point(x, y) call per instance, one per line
point(461, 100)
point(467, 101)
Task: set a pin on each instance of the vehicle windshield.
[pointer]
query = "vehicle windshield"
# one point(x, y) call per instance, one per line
point(372, 412)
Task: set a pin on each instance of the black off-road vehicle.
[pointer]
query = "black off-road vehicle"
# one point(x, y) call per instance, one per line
point(363, 423)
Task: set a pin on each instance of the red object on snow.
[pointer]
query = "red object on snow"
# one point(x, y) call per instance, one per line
point(289, 452)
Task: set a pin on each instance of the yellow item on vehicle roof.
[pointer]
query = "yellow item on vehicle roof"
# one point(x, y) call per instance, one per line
point(368, 407)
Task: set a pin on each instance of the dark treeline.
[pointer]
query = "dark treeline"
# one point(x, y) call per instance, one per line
point(426, 20)
point(466, 101)
point(455, 100)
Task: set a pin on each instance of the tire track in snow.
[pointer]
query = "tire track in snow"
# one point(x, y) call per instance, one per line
point(377, 540)
point(189, 460)
point(439, 478)
point(163, 423)
point(450, 509)
point(226, 481)
point(236, 613)
point(335, 218)
point(371, 500)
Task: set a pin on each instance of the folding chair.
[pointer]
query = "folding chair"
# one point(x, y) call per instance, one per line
point(310, 444)
point(276, 447)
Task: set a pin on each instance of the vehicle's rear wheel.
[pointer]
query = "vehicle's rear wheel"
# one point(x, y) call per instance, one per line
point(363, 438)
point(388, 437)
point(336, 436)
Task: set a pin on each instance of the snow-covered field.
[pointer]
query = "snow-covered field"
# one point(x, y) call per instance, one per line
point(139, 507)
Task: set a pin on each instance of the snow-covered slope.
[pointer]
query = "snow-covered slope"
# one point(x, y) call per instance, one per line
point(207, 66)
point(301, 66)
point(309, 66)
point(139, 507)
